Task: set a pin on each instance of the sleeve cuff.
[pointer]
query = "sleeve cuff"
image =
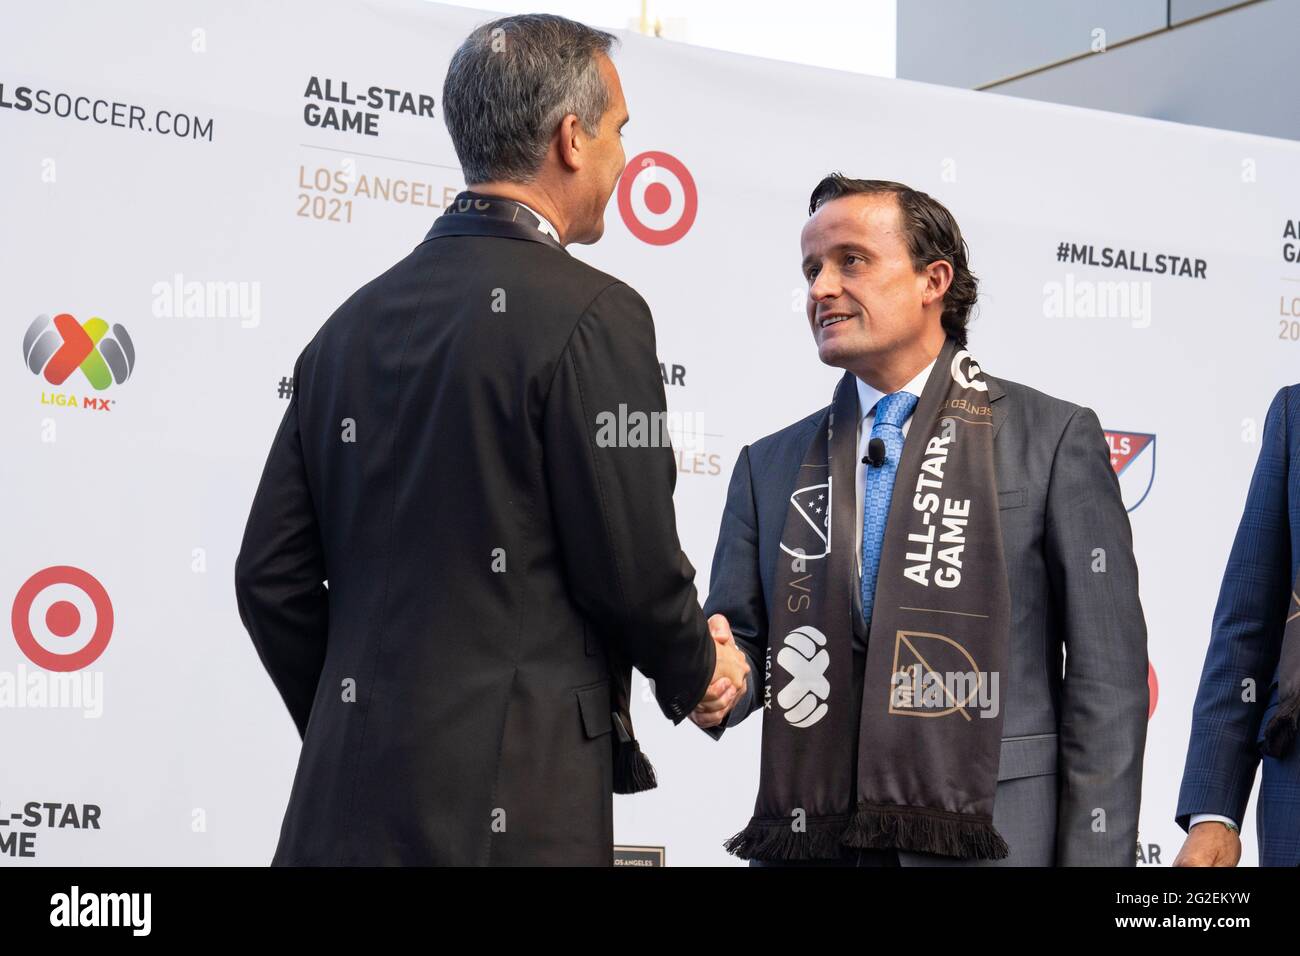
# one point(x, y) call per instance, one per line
point(1212, 817)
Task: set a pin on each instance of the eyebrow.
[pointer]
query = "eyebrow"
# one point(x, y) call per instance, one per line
point(838, 247)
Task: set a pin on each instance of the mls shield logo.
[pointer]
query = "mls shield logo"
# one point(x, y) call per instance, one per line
point(805, 659)
point(813, 539)
point(1133, 456)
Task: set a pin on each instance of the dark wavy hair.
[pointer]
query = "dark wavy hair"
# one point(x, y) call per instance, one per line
point(932, 235)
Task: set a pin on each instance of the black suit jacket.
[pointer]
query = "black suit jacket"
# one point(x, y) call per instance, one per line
point(443, 567)
point(1074, 727)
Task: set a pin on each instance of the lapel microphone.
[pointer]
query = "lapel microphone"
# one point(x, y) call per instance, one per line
point(875, 456)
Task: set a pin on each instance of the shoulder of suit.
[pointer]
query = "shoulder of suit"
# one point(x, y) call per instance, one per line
point(1284, 409)
point(570, 271)
point(565, 277)
point(791, 440)
point(538, 265)
point(542, 273)
point(1034, 408)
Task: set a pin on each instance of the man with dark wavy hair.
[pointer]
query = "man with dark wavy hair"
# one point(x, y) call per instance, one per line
point(935, 575)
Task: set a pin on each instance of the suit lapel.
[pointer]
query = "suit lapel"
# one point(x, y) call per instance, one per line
point(996, 406)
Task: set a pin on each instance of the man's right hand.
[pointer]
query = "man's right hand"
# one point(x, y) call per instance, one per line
point(1210, 843)
point(729, 681)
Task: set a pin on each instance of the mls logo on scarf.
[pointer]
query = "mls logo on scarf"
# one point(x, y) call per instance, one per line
point(829, 777)
point(813, 504)
point(803, 655)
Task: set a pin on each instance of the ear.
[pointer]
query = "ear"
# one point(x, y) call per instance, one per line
point(938, 279)
point(570, 139)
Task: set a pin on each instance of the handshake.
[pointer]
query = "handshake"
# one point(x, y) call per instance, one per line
point(729, 677)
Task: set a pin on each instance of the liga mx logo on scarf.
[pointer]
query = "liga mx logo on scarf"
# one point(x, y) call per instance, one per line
point(805, 658)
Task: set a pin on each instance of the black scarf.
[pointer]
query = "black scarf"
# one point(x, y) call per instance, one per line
point(915, 768)
point(477, 214)
point(1281, 731)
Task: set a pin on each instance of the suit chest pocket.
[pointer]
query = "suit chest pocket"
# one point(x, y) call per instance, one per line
point(1013, 498)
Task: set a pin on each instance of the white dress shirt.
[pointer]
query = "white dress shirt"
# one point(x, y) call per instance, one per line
point(867, 398)
point(1203, 817)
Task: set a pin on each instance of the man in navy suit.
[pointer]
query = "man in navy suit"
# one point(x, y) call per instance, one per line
point(1231, 714)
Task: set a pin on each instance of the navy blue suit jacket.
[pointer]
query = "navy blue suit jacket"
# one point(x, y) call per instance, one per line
point(1246, 643)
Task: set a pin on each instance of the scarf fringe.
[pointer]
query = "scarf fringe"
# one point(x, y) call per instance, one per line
point(906, 829)
point(633, 771)
point(778, 840)
point(1281, 732)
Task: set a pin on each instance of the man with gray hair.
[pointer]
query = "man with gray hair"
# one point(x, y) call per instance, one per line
point(495, 567)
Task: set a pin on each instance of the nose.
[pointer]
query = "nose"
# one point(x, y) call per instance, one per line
point(825, 286)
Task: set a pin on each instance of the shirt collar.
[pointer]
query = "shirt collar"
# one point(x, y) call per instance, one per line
point(868, 395)
point(543, 224)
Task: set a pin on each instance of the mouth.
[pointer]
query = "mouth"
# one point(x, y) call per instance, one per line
point(826, 321)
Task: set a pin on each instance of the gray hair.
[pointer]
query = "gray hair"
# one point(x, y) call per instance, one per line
point(510, 84)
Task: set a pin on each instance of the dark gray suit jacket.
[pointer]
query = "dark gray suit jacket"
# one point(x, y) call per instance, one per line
point(494, 568)
point(1075, 697)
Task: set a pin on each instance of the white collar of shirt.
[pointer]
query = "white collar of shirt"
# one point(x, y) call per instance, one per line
point(868, 396)
point(543, 224)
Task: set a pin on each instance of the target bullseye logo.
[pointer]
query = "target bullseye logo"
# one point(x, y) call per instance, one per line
point(72, 614)
point(1153, 690)
point(657, 198)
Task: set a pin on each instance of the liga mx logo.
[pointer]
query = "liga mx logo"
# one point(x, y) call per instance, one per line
point(657, 198)
point(57, 348)
point(62, 618)
point(805, 659)
point(1133, 456)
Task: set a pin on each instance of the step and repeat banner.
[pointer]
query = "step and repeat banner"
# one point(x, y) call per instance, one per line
point(188, 191)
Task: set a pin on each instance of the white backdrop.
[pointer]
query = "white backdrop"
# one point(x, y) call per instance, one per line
point(191, 219)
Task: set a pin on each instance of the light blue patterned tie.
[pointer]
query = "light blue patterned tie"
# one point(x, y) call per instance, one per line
point(891, 412)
